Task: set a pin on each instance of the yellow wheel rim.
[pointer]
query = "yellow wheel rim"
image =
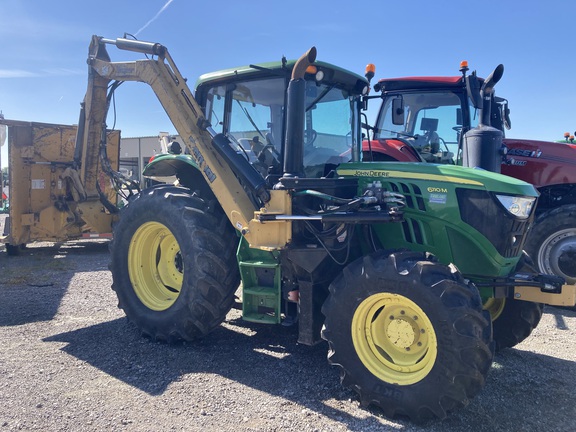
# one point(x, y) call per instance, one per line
point(155, 266)
point(494, 306)
point(394, 338)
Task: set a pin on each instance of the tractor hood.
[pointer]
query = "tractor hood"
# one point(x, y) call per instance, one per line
point(542, 163)
point(436, 174)
point(454, 212)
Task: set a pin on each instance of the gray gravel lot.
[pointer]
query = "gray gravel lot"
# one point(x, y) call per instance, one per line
point(71, 361)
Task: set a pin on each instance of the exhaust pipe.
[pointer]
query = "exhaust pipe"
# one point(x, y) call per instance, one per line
point(482, 146)
point(296, 117)
point(486, 93)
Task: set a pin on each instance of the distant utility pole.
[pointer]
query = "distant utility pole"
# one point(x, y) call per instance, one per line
point(2, 139)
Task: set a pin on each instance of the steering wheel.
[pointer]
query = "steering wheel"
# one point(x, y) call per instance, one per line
point(267, 148)
point(404, 135)
point(443, 143)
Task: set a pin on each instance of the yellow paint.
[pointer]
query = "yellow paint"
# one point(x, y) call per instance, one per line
point(272, 235)
point(565, 298)
point(43, 205)
point(394, 338)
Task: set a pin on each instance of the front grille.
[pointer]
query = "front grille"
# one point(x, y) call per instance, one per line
point(480, 210)
point(411, 192)
point(413, 231)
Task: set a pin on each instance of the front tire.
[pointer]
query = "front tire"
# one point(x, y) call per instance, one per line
point(408, 334)
point(173, 264)
point(514, 320)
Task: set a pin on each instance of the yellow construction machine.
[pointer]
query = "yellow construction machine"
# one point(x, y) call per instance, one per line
point(50, 198)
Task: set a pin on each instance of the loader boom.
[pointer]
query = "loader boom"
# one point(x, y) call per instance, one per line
point(235, 183)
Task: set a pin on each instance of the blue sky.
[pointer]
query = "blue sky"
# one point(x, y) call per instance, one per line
point(43, 69)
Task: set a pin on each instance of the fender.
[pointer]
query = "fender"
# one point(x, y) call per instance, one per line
point(167, 165)
point(390, 150)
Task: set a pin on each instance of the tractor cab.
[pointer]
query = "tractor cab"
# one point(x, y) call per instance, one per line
point(248, 104)
point(432, 119)
point(432, 115)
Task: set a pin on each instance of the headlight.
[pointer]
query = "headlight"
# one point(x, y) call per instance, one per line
point(520, 207)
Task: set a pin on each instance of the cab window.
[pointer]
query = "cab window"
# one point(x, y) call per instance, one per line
point(432, 121)
point(329, 134)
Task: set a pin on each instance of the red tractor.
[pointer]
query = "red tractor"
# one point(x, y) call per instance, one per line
point(459, 120)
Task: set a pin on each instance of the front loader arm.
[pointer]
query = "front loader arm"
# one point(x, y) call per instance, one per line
point(239, 188)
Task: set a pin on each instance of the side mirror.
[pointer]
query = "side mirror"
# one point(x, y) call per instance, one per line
point(503, 104)
point(398, 111)
point(507, 122)
point(473, 90)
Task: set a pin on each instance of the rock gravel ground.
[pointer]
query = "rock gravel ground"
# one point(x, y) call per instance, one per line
point(70, 361)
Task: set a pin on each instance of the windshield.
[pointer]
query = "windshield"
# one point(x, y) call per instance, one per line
point(432, 123)
point(330, 128)
point(252, 114)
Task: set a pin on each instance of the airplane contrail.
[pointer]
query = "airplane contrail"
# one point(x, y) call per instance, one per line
point(155, 17)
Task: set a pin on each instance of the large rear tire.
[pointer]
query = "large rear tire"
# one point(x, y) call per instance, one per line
point(173, 264)
point(408, 334)
point(552, 242)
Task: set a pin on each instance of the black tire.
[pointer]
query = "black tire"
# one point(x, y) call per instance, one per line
point(14, 250)
point(181, 252)
point(513, 320)
point(443, 327)
point(552, 242)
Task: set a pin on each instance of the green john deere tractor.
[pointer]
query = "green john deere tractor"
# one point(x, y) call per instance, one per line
point(390, 263)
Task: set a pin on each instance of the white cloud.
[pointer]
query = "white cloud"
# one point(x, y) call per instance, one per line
point(155, 17)
point(57, 72)
point(63, 72)
point(17, 73)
